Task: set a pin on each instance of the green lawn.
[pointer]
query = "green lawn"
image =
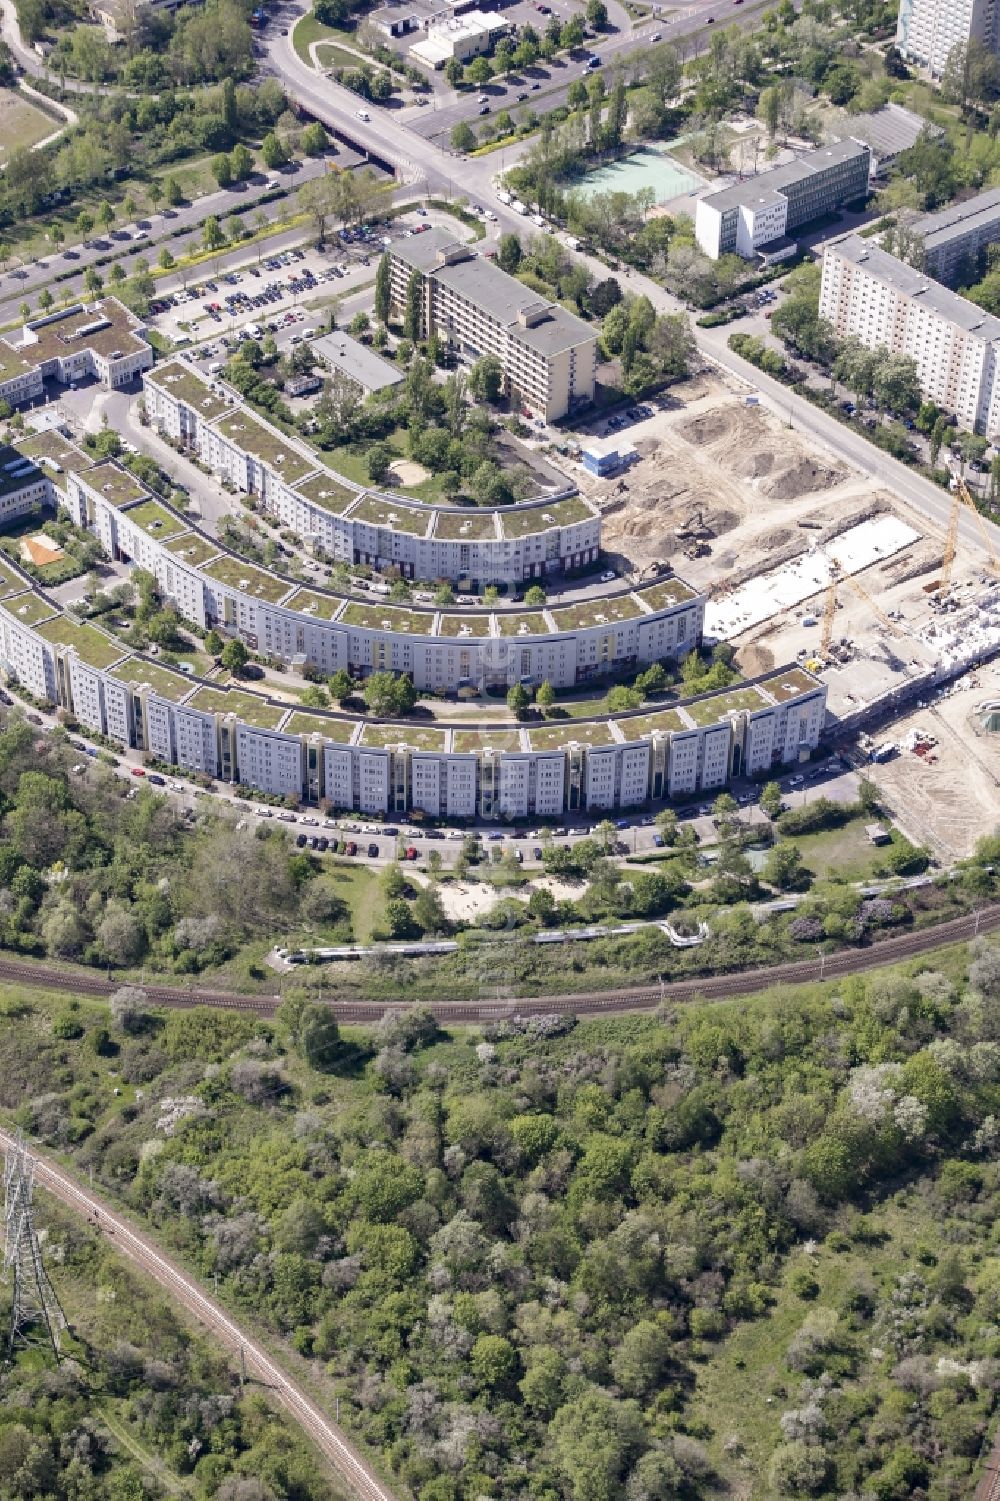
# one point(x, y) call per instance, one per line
point(22, 123)
point(309, 30)
point(334, 56)
point(844, 852)
point(352, 463)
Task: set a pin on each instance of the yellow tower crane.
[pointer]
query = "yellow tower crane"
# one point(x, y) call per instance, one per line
point(962, 491)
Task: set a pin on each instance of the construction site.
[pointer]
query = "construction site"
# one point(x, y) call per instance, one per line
point(805, 559)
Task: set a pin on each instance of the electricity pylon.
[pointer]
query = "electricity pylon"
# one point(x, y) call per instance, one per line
point(34, 1306)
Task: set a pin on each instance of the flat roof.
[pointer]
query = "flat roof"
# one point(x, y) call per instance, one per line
point(789, 683)
point(138, 673)
point(661, 721)
point(464, 625)
point(155, 519)
point(606, 610)
point(784, 176)
point(309, 602)
point(418, 737)
point(91, 645)
point(115, 483)
point(468, 524)
point(30, 608)
point(916, 285)
point(525, 521)
point(392, 514)
point(889, 130)
point(237, 574)
point(718, 706)
point(106, 327)
point(56, 455)
point(193, 548)
point(265, 443)
point(523, 623)
point(564, 732)
point(181, 380)
point(300, 723)
point(665, 593)
point(385, 617)
point(324, 489)
point(958, 219)
point(509, 302)
point(10, 581)
point(475, 741)
point(17, 470)
point(255, 711)
point(355, 360)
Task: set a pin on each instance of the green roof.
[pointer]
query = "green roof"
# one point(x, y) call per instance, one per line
point(482, 740)
point(559, 736)
point(155, 519)
point(525, 521)
point(667, 592)
point(417, 737)
point(384, 617)
point(10, 583)
point(254, 710)
point(137, 673)
point(392, 514)
point(115, 484)
point(243, 430)
point(56, 456)
point(330, 728)
point(30, 608)
point(326, 490)
point(308, 602)
point(666, 721)
point(601, 611)
point(180, 381)
point(17, 470)
point(464, 625)
point(244, 577)
point(706, 711)
point(467, 525)
point(193, 548)
point(91, 646)
point(522, 623)
point(789, 684)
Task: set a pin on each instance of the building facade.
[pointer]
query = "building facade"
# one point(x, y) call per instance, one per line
point(549, 357)
point(759, 215)
point(102, 341)
point(872, 296)
point(23, 485)
point(953, 239)
point(928, 31)
point(449, 772)
point(467, 546)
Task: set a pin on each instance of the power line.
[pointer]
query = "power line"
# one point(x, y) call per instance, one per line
point(34, 1305)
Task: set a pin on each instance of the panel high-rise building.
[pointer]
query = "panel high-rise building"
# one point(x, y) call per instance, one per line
point(928, 30)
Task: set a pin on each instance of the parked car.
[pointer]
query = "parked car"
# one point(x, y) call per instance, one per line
point(373, 851)
point(137, 771)
point(351, 849)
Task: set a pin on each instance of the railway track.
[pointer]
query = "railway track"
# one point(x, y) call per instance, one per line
point(139, 1249)
point(586, 1003)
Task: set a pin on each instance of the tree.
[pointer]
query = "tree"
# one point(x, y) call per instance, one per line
point(382, 289)
point(314, 139)
point(783, 866)
point(274, 151)
point(572, 33)
point(318, 1038)
point(463, 137)
point(479, 71)
point(671, 344)
point(614, 128)
point(606, 295)
point(211, 235)
point(576, 94)
point(770, 799)
point(45, 299)
point(596, 89)
point(769, 109)
point(222, 170)
point(509, 253)
point(534, 596)
point(380, 457)
point(105, 215)
point(486, 379)
point(895, 382)
point(454, 71)
point(128, 1008)
point(172, 192)
point(84, 224)
point(518, 699)
point(595, 1439)
point(241, 160)
point(597, 14)
point(493, 1361)
point(234, 657)
point(340, 685)
point(546, 695)
point(413, 317)
point(389, 694)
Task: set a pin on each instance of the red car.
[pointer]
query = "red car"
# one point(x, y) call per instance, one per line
point(137, 771)
point(410, 854)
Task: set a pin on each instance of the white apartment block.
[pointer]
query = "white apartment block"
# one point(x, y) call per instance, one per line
point(466, 545)
point(928, 31)
point(23, 485)
point(441, 650)
point(549, 357)
point(872, 296)
point(446, 772)
point(102, 341)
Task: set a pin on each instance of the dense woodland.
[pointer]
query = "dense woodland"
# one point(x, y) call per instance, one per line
point(745, 1245)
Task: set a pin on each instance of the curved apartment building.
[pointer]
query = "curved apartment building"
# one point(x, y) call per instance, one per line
point(463, 544)
point(444, 771)
point(441, 649)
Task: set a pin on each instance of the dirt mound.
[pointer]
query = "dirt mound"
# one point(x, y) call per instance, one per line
point(754, 465)
point(803, 478)
point(753, 660)
point(709, 427)
point(780, 537)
